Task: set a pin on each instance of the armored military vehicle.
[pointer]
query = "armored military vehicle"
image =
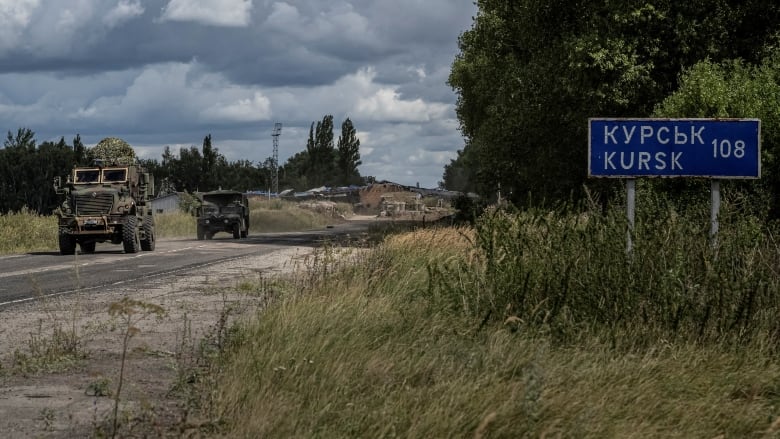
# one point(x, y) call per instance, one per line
point(222, 211)
point(105, 203)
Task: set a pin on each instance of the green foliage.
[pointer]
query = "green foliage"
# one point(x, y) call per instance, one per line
point(206, 169)
point(188, 203)
point(735, 89)
point(529, 75)
point(320, 169)
point(368, 345)
point(569, 274)
point(348, 154)
point(27, 171)
point(27, 231)
point(320, 164)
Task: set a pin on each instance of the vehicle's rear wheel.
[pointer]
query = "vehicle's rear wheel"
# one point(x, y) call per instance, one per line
point(148, 243)
point(130, 236)
point(245, 232)
point(67, 242)
point(87, 247)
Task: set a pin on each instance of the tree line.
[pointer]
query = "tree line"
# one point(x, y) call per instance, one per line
point(27, 168)
point(529, 74)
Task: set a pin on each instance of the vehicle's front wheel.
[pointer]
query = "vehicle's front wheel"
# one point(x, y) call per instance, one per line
point(236, 231)
point(130, 236)
point(148, 243)
point(201, 233)
point(67, 242)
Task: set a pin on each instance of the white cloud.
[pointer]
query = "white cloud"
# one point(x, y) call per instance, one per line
point(358, 96)
point(124, 10)
point(176, 94)
point(15, 16)
point(255, 108)
point(337, 25)
point(228, 13)
point(385, 103)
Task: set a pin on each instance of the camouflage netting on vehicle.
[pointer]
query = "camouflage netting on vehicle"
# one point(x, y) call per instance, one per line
point(112, 150)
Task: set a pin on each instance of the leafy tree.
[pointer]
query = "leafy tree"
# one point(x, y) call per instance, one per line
point(79, 151)
point(27, 171)
point(209, 168)
point(736, 89)
point(320, 169)
point(348, 154)
point(293, 173)
point(529, 74)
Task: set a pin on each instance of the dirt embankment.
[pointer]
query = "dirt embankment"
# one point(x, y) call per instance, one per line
point(77, 401)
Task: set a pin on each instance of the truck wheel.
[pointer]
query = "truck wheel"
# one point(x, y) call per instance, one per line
point(245, 232)
point(236, 231)
point(67, 243)
point(147, 244)
point(87, 247)
point(201, 233)
point(130, 235)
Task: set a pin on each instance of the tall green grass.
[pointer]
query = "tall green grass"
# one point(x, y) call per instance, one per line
point(26, 231)
point(527, 325)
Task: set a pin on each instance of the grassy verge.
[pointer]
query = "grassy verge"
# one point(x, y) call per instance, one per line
point(25, 231)
point(528, 325)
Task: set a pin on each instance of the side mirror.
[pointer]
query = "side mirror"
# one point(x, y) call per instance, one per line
point(58, 185)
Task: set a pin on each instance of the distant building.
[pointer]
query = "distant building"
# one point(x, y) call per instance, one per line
point(166, 203)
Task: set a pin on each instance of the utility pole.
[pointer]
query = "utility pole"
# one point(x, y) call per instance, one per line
point(276, 133)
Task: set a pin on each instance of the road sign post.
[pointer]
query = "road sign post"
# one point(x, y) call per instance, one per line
point(673, 148)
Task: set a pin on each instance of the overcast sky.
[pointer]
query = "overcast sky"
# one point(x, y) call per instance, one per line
point(169, 72)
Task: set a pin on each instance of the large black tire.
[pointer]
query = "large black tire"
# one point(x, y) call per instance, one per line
point(201, 233)
point(67, 242)
point(245, 232)
point(148, 243)
point(87, 247)
point(130, 236)
point(236, 231)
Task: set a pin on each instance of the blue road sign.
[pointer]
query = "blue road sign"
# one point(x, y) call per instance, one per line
point(715, 148)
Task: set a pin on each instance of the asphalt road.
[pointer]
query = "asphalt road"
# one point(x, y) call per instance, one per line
point(32, 276)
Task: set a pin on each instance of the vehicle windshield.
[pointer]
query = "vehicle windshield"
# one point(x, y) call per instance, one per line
point(87, 175)
point(223, 199)
point(114, 175)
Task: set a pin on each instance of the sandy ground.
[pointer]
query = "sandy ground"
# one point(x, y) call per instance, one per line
point(71, 402)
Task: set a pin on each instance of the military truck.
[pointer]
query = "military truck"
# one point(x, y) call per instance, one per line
point(105, 203)
point(222, 211)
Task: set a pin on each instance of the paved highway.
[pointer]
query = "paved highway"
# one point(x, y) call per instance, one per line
point(27, 277)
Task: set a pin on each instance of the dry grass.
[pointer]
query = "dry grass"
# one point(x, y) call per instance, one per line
point(367, 351)
point(25, 231)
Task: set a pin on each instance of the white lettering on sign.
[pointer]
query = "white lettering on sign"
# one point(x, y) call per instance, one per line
point(642, 161)
point(648, 133)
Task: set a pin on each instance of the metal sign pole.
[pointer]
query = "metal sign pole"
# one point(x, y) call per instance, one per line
point(715, 191)
point(630, 209)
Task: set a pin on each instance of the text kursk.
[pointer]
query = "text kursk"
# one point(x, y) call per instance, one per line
point(642, 160)
point(664, 135)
